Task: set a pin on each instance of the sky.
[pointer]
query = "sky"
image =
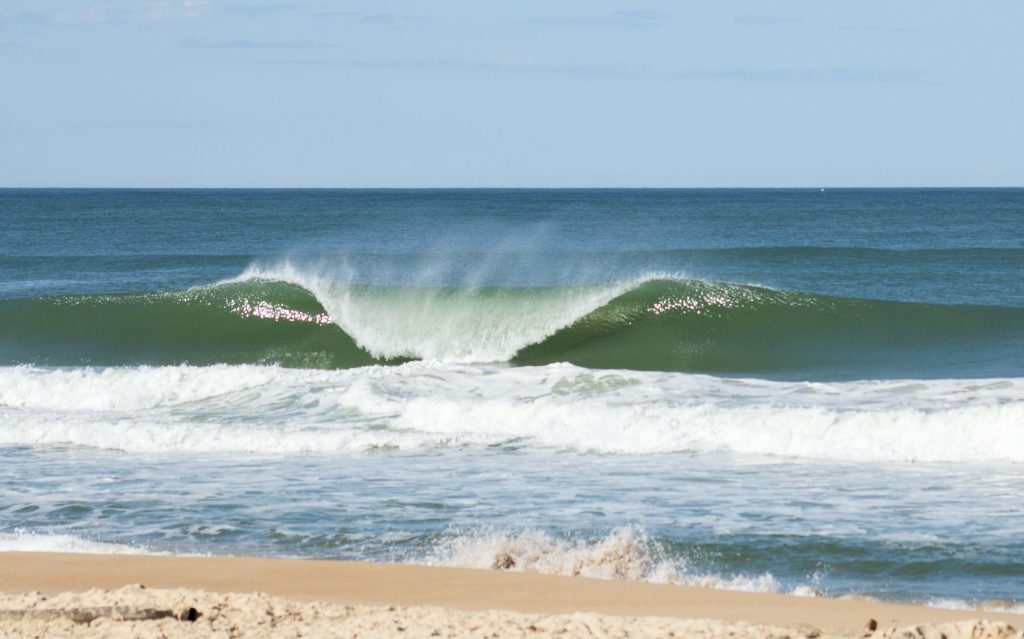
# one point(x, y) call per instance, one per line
point(557, 93)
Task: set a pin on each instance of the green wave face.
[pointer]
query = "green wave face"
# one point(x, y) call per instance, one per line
point(244, 323)
point(673, 325)
point(667, 325)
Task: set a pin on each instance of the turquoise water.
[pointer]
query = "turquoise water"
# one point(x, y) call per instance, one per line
point(791, 390)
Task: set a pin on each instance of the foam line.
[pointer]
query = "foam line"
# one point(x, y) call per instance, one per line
point(223, 409)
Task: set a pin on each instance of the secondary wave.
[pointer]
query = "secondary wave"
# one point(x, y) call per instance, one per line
point(651, 324)
point(268, 410)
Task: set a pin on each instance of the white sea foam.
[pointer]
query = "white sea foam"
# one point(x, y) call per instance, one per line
point(625, 553)
point(272, 410)
point(29, 542)
point(125, 389)
point(1011, 607)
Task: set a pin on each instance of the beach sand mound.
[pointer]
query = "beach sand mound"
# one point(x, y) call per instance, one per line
point(136, 611)
point(957, 630)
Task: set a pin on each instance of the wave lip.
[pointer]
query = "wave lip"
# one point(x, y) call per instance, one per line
point(449, 324)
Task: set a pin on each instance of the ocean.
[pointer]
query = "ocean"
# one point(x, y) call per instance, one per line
point(816, 391)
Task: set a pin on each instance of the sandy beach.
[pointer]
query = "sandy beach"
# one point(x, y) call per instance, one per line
point(51, 594)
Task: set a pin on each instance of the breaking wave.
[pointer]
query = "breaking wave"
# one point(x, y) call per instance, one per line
point(271, 410)
point(292, 319)
point(627, 553)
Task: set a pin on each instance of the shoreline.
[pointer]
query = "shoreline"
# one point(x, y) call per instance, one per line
point(460, 589)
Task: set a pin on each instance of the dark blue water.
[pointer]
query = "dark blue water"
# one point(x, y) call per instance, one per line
point(954, 246)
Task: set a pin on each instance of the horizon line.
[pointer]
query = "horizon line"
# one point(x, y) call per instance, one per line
point(505, 188)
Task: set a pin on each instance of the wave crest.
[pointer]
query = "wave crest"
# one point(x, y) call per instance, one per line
point(450, 324)
point(295, 318)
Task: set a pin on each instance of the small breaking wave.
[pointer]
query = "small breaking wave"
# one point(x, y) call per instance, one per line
point(33, 542)
point(626, 553)
point(1010, 607)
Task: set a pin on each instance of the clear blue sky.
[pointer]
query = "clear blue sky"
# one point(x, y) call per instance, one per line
point(472, 93)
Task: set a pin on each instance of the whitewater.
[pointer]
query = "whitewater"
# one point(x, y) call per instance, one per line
point(253, 409)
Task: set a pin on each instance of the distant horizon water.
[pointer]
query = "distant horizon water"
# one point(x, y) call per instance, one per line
point(811, 187)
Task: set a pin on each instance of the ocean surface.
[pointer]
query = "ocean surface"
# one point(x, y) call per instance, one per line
point(817, 392)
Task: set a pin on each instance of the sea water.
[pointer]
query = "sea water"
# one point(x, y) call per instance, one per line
point(786, 390)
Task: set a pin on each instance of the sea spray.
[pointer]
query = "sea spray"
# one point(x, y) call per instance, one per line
point(465, 323)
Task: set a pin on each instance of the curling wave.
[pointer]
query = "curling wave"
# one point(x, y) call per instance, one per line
point(651, 324)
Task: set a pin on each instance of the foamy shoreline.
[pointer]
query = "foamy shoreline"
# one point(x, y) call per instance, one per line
point(335, 598)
